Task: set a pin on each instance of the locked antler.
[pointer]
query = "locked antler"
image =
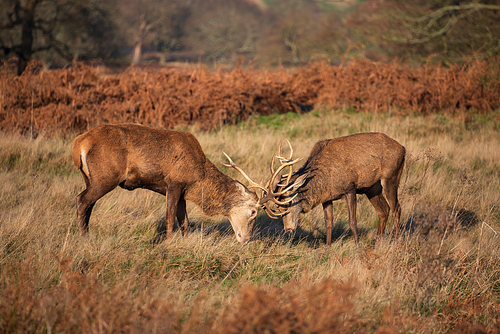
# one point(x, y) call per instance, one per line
point(268, 193)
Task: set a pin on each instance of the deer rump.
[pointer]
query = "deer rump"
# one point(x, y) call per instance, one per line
point(171, 163)
point(364, 163)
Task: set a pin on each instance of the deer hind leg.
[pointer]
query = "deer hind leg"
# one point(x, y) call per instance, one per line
point(351, 207)
point(390, 190)
point(328, 213)
point(378, 201)
point(105, 179)
point(85, 202)
point(83, 210)
point(182, 217)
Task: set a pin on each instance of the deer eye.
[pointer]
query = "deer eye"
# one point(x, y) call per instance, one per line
point(253, 213)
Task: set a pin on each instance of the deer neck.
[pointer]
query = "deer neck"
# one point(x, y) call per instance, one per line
point(308, 194)
point(215, 193)
point(319, 189)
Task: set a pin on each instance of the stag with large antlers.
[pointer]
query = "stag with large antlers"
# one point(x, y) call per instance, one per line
point(364, 163)
point(171, 163)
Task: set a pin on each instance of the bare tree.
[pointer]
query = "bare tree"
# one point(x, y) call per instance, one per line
point(66, 28)
point(143, 27)
point(17, 16)
point(153, 26)
point(446, 30)
point(225, 29)
point(439, 22)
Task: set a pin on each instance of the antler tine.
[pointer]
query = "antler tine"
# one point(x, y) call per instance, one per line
point(272, 165)
point(282, 159)
point(252, 184)
point(273, 214)
point(291, 149)
point(288, 187)
point(291, 152)
point(289, 175)
point(275, 155)
point(276, 172)
point(270, 194)
point(284, 202)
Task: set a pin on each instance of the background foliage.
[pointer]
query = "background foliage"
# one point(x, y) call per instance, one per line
point(81, 97)
point(441, 275)
point(267, 33)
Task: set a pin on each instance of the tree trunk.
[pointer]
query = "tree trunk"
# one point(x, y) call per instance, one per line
point(138, 42)
point(27, 27)
point(293, 49)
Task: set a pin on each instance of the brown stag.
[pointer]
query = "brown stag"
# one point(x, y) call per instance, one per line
point(171, 163)
point(364, 163)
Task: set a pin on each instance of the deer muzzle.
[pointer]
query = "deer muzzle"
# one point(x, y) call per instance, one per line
point(243, 238)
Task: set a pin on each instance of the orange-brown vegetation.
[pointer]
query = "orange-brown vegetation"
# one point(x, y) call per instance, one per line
point(81, 304)
point(80, 97)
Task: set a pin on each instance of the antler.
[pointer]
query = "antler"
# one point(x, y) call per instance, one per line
point(289, 175)
point(252, 184)
point(282, 159)
point(268, 193)
point(267, 190)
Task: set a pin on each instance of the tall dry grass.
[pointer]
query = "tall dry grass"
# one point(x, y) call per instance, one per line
point(442, 275)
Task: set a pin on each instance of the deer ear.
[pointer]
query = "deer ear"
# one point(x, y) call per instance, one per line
point(240, 187)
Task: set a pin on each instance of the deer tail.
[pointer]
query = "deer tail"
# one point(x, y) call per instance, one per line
point(80, 152)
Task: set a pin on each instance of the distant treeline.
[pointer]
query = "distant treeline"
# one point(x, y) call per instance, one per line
point(264, 33)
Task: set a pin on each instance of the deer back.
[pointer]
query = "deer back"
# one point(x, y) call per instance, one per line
point(336, 166)
point(138, 156)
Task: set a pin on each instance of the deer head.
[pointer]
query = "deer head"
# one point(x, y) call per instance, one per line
point(278, 193)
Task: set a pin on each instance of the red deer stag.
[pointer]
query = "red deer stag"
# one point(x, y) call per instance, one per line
point(364, 163)
point(171, 163)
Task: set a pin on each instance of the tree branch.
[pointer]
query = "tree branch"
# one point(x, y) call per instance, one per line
point(442, 11)
point(433, 18)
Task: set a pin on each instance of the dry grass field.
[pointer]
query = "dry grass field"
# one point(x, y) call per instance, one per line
point(442, 275)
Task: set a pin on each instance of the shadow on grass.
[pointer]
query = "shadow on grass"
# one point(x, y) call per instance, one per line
point(203, 226)
point(269, 231)
point(434, 217)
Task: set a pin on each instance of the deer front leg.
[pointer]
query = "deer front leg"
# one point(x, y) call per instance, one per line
point(182, 217)
point(328, 213)
point(351, 207)
point(173, 195)
point(173, 198)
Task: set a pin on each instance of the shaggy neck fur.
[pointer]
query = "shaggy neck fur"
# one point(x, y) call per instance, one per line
point(215, 194)
point(314, 191)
